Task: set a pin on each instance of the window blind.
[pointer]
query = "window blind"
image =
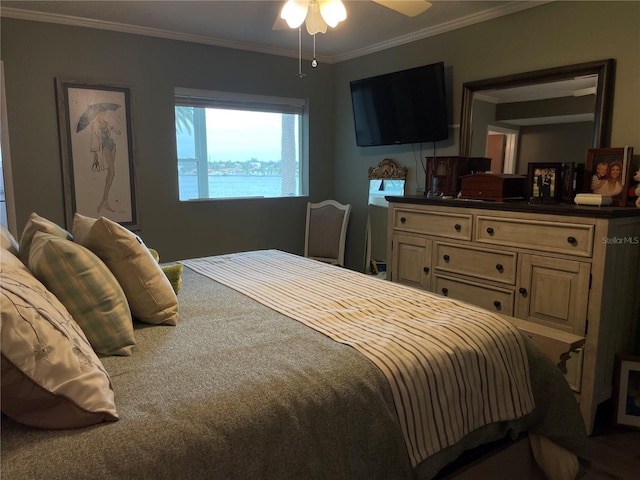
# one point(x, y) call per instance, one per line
point(187, 97)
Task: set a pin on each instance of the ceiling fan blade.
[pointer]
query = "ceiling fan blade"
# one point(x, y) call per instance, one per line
point(280, 24)
point(410, 8)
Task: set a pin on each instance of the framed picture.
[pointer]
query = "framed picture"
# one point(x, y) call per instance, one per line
point(626, 393)
point(96, 148)
point(544, 182)
point(568, 176)
point(606, 172)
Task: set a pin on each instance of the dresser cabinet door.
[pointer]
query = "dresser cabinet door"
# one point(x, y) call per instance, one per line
point(412, 261)
point(553, 292)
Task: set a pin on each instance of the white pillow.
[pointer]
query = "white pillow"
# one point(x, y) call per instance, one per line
point(7, 241)
point(51, 377)
point(36, 223)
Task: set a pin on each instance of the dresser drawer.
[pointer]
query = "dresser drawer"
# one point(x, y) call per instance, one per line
point(450, 225)
point(553, 237)
point(476, 262)
point(494, 299)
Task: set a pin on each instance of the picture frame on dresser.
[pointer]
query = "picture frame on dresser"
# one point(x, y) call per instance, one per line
point(544, 182)
point(96, 147)
point(626, 392)
point(568, 176)
point(607, 173)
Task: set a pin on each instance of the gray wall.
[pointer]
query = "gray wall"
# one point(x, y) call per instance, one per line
point(550, 35)
point(35, 53)
point(563, 142)
point(554, 34)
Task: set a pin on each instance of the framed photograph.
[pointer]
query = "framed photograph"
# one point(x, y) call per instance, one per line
point(626, 392)
point(96, 148)
point(544, 182)
point(606, 172)
point(568, 177)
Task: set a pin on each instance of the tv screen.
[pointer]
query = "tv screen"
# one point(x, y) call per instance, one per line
point(401, 107)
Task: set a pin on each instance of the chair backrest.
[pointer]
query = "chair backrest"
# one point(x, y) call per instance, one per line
point(326, 231)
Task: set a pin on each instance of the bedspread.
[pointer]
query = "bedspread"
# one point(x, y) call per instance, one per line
point(237, 390)
point(452, 367)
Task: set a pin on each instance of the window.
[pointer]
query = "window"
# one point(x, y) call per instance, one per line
point(238, 146)
point(7, 205)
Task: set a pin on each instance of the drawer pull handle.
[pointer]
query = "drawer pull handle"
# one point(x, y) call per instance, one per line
point(403, 220)
point(497, 304)
point(572, 240)
point(500, 268)
point(458, 227)
point(522, 290)
point(445, 291)
point(446, 258)
point(490, 231)
point(425, 269)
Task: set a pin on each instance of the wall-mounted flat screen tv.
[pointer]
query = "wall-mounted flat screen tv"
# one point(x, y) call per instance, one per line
point(409, 106)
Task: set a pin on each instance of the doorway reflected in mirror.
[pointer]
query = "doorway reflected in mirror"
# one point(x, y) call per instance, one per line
point(550, 115)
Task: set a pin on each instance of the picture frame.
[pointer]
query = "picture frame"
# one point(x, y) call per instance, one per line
point(544, 182)
point(568, 177)
point(626, 392)
point(96, 150)
point(607, 173)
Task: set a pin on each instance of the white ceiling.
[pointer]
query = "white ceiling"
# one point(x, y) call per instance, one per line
point(248, 25)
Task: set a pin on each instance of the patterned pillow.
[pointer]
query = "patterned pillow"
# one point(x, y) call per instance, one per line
point(36, 223)
point(7, 241)
point(51, 377)
point(88, 290)
point(150, 294)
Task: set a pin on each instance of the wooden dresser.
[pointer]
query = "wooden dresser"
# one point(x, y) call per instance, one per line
point(573, 268)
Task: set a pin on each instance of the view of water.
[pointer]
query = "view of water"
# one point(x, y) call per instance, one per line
point(229, 186)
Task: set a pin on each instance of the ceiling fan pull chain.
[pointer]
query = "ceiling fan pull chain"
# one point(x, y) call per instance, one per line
point(300, 74)
point(314, 62)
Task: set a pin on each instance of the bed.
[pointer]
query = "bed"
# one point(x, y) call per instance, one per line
point(251, 382)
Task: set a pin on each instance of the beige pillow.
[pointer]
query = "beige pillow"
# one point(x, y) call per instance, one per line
point(36, 223)
point(81, 227)
point(51, 377)
point(151, 297)
point(7, 241)
point(89, 291)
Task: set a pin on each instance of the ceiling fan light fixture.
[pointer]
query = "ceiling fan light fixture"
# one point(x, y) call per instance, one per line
point(315, 21)
point(333, 12)
point(294, 12)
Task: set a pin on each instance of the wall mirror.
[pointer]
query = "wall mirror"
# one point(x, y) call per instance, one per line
point(551, 115)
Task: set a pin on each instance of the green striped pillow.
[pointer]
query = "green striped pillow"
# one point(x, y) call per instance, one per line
point(89, 291)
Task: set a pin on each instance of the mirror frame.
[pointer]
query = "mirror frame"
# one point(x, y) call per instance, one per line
point(603, 105)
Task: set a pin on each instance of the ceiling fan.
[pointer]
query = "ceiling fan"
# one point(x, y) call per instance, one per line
point(320, 14)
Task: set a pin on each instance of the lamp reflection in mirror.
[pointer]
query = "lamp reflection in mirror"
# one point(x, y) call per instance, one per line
point(318, 14)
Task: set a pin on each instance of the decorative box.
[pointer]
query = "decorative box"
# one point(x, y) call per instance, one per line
point(493, 186)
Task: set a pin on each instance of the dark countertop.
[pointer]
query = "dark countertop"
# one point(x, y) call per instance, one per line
point(523, 206)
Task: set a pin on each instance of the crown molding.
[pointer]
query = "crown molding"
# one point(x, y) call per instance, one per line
point(73, 21)
point(480, 17)
point(492, 13)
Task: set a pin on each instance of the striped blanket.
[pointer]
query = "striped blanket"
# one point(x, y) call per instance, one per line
point(452, 367)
